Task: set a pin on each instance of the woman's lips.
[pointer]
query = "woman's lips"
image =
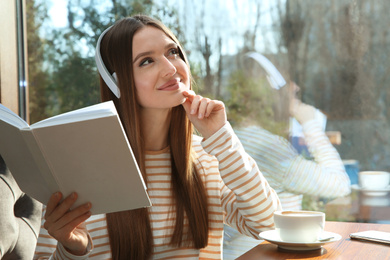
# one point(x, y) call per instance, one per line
point(170, 85)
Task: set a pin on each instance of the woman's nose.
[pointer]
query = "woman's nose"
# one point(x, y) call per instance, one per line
point(168, 68)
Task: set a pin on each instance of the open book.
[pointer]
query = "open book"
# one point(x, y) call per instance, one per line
point(84, 151)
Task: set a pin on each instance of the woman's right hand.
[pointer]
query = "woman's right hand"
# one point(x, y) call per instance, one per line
point(207, 115)
point(301, 111)
point(68, 226)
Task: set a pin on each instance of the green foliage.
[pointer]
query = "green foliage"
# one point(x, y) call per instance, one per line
point(38, 77)
point(252, 101)
point(75, 84)
point(70, 80)
point(74, 77)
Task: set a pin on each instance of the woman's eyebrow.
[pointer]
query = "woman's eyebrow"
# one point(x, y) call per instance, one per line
point(170, 45)
point(146, 53)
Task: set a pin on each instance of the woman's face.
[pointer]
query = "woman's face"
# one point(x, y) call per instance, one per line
point(160, 74)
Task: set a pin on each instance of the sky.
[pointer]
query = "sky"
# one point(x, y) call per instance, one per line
point(230, 22)
point(58, 13)
point(235, 9)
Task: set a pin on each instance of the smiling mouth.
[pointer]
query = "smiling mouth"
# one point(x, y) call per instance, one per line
point(170, 85)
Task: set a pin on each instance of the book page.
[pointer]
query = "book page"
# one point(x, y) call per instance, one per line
point(94, 111)
point(94, 159)
point(43, 174)
point(11, 118)
point(21, 163)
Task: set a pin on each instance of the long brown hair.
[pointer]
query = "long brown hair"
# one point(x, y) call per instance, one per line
point(130, 231)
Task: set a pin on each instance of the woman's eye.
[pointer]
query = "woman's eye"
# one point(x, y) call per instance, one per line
point(173, 52)
point(145, 62)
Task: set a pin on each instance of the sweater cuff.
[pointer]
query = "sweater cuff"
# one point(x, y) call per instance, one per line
point(66, 255)
point(215, 140)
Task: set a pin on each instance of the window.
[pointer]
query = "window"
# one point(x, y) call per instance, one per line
point(336, 51)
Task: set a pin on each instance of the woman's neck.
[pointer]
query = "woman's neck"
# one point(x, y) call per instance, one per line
point(155, 125)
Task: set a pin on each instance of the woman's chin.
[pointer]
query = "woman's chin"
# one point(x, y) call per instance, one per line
point(182, 101)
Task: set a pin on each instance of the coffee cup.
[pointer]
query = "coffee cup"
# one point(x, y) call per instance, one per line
point(374, 180)
point(299, 226)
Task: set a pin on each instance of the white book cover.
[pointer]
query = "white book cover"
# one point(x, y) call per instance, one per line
point(84, 151)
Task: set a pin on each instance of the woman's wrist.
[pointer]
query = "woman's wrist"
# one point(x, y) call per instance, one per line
point(81, 253)
point(78, 252)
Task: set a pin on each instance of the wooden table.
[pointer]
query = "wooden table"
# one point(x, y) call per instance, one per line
point(345, 248)
point(359, 207)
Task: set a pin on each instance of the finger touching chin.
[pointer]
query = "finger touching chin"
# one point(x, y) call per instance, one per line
point(188, 93)
point(187, 105)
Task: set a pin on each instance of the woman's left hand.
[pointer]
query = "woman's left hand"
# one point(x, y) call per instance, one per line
point(207, 115)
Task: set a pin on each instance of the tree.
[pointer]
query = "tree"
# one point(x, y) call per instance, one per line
point(252, 102)
point(74, 78)
point(341, 63)
point(38, 77)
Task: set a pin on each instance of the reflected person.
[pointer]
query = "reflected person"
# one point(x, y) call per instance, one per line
point(288, 172)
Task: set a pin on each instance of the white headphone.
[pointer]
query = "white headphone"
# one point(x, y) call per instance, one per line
point(110, 80)
point(273, 75)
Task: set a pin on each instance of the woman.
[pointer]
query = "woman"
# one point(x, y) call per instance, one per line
point(195, 184)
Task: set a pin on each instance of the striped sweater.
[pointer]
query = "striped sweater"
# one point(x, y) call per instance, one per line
point(238, 195)
point(289, 173)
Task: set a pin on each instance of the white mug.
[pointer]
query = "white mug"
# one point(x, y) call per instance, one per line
point(299, 226)
point(374, 180)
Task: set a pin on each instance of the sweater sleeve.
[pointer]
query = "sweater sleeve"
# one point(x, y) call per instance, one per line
point(324, 176)
point(48, 247)
point(247, 199)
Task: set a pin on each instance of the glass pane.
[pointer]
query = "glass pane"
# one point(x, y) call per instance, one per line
point(335, 51)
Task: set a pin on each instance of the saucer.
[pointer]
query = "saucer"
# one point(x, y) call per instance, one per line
point(372, 192)
point(272, 236)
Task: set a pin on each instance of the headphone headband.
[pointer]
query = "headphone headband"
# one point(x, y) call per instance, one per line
point(273, 75)
point(109, 79)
